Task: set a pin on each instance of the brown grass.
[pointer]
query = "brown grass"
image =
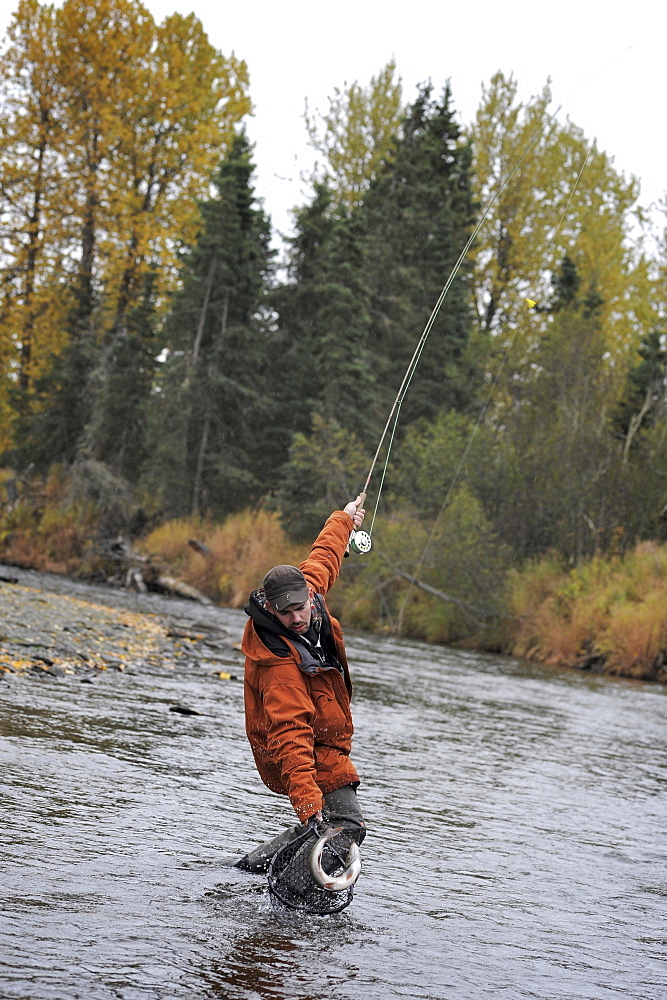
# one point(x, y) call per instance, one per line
point(612, 611)
point(636, 636)
point(44, 531)
point(241, 550)
point(49, 529)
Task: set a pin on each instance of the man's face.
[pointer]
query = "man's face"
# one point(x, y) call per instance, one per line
point(295, 617)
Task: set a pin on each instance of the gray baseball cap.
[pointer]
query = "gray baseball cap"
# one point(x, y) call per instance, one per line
point(285, 585)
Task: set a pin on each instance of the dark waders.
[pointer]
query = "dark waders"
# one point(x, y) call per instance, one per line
point(340, 809)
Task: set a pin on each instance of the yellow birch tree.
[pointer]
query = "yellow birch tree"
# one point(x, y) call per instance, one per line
point(31, 307)
point(565, 198)
point(356, 133)
point(110, 128)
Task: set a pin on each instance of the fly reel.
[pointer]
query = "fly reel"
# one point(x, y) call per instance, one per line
point(360, 542)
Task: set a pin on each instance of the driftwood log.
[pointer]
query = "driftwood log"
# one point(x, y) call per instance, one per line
point(181, 588)
point(477, 615)
point(140, 573)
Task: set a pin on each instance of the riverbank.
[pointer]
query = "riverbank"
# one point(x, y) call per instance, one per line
point(607, 615)
point(54, 625)
point(51, 633)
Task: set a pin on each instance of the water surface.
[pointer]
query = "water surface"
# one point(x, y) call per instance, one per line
point(516, 848)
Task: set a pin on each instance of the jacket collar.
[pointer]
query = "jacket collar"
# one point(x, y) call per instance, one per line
point(256, 610)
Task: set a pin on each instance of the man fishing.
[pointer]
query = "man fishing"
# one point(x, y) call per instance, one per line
point(297, 691)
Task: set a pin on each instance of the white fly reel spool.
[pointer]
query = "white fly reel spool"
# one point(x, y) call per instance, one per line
point(360, 542)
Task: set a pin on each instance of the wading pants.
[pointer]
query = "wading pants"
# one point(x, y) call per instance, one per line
point(340, 809)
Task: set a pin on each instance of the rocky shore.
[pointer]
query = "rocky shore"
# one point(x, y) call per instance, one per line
point(51, 626)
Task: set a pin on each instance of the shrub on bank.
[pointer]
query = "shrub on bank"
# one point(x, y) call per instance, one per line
point(440, 581)
point(224, 561)
point(47, 529)
point(610, 614)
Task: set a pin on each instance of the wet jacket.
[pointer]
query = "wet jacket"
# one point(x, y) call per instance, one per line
point(297, 701)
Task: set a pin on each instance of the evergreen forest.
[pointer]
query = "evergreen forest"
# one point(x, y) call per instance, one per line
point(161, 362)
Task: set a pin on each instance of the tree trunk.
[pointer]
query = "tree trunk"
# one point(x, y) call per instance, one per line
point(203, 313)
point(199, 471)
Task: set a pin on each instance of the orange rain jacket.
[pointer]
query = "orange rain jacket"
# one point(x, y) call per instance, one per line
point(299, 724)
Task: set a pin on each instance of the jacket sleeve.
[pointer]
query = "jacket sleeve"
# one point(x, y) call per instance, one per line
point(290, 741)
point(322, 566)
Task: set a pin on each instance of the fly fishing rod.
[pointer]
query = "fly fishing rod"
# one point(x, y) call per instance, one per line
point(531, 305)
point(361, 541)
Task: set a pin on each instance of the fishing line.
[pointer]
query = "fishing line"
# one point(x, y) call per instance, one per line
point(414, 361)
point(487, 401)
point(384, 468)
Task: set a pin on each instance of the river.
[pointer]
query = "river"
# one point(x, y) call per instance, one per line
point(516, 845)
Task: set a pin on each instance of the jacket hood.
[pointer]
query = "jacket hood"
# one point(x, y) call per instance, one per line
point(256, 610)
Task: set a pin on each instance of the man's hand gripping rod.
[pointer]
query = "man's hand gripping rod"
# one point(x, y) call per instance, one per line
point(360, 541)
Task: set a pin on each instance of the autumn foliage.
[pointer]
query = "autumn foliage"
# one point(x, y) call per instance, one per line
point(51, 529)
point(229, 559)
point(111, 125)
point(609, 614)
point(162, 381)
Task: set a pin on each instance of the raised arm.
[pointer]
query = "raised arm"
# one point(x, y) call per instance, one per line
point(322, 566)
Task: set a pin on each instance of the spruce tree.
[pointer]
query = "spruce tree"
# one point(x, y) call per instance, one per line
point(214, 441)
point(328, 390)
point(363, 283)
point(120, 387)
point(324, 320)
point(418, 215)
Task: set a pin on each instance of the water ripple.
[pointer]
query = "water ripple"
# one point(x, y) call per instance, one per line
point(516, 820)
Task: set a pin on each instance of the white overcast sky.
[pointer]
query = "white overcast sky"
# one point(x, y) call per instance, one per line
point(606, 64)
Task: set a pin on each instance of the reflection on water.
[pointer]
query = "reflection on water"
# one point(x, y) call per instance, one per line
point(516, 844)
